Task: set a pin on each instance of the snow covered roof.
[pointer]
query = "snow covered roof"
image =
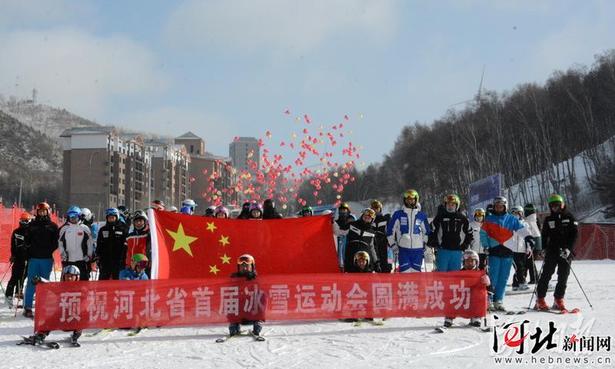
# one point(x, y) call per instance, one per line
point(187, 135)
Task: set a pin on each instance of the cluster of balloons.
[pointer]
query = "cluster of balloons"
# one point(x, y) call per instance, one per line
point(324, 156)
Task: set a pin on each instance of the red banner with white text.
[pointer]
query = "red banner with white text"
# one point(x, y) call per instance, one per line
point(193, 302)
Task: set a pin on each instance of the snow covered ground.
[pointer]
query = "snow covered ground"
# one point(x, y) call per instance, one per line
point(400, 343)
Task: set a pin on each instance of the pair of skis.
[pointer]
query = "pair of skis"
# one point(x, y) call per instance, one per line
point(106, 331)
point(480, 328)
point(255, 337)
point(45, 344)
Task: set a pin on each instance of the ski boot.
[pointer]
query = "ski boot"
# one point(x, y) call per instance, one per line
point(28, 313)
point(475, 322)
point(448, 322)
point(558, 304)
point(541, 304)
point(498, 306)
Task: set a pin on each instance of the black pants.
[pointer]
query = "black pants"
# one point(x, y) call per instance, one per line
point(108, 272)
point(482, 261)
point(83, 269)
point(530, 268)
point(382, 249)
point(18, 275)
point(519, 263)
point(563, 270)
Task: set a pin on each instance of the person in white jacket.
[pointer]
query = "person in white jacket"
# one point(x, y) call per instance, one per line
point(521, 252)
point(76, 243)
point(475, 225)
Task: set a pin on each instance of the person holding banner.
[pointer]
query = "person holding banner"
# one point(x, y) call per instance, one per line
point(246, 268)
point(139, 240)
point(136, 270)
point(497, 236)
point(361, 234)
point(70, 273)
point(41, 240)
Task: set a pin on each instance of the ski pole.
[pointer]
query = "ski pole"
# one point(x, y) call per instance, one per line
point(536, 285)
point(579, 283)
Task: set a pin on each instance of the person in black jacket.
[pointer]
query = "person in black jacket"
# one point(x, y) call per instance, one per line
point(559, 232)
point(246, 268)
point(18, 259)
point(111, 246)
point(381, 241)
point(361, 235)
point(451, 234)
point(41, 240)
point(269, 210)
point(245, 211)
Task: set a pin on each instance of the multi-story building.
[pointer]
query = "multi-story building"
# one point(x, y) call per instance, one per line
point(244, 150)
point(104, 169)
point(206, 167)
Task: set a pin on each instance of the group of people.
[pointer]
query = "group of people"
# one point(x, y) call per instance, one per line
point(495, 240)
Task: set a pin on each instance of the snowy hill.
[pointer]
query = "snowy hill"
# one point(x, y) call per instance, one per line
point(43, 118)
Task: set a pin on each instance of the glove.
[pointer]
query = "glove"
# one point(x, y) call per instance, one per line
point(564, 254)
point(12, 259)
point(395, 250)
point(484, 280)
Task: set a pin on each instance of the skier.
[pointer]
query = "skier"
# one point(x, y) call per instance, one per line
point(124, 215)
point(76, 243)
point(559, 232)
point(173, 209)
point(306, 211)
point(406, 233)
point(137, 268)
point(138, 240)
point(269, 210)
point(19, 257)
point(245, 211)
point(256, 211)
point(470, 262)
point(497, 236)
point(191, 204)
point(521, 252)
point(451, 235)
point(381, 241)
point(70, 273)
point(221, 212)
point(111, 246)
point(341, 226)
point(476, 224)
point(246, 268)
point(41, 240)
point(529, 211)
point(361, 234)
point(188, 211)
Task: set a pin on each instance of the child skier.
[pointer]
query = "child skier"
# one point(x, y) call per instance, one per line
point(246, 268)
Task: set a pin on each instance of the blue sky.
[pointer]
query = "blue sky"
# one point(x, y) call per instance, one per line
point(230, 68)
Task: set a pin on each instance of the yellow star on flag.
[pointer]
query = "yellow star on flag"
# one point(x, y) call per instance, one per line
point(224, 240)
point(182, 241)
point(225, 259)
point(211, 226)
point(214, 269)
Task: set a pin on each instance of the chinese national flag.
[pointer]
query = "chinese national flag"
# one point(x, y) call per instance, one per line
point(190, 246)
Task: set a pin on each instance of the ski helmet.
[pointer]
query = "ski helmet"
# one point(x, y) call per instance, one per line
point(42, 206)
point(25, 218)
point(246, 259)
point(529, 209)
point(221, 210)
point(479, 212)
point(73, 212)
point(139, 260)
point(307, 211)
point(210, 211)
point(376, 205)
point(86, 214)
point(517, 209)
point(411, 194)
point(501, 200)
point(112, 212)
point(344, 205)
point(369, 212)
point(71, 270)
point(361, 255)
point(190, 203)
point(256, 206)
point(158, 205)
point(173, 209)
point(471, 255)
point(452, 198)
point(555, 198)
point(139, 214)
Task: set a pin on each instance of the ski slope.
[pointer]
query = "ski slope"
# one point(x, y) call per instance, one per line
point(400, 343)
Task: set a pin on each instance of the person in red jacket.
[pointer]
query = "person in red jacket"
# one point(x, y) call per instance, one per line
point(139, 240)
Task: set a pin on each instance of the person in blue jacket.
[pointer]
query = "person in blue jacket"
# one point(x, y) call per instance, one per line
point(496, 235)
point(136, 270)
point(407, 231)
